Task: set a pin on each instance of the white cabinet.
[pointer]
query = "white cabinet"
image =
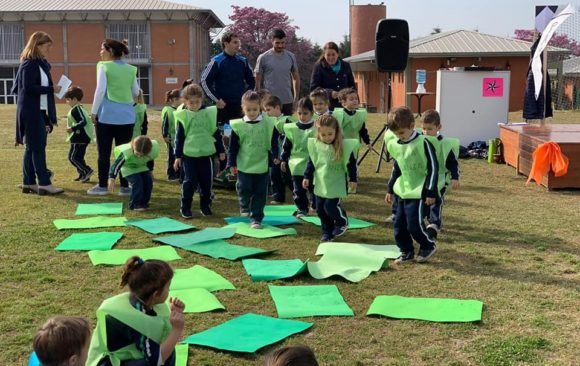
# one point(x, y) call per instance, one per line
point(472, 103)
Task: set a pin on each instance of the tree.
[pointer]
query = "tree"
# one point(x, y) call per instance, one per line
point(344, 46)
point(558, 40)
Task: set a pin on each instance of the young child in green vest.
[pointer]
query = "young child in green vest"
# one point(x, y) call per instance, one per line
point(131, 160)
point(139, 325)
point(279, 179)
point(197, 140)
point(295, 155)
point(413, 183)
point(62, 340)
point(253, 148)
point(447, 152)
point(172, 100)
point(330, 159)
point(80, 133)
point(298, 355)
point(320, 102)
point(141, 123)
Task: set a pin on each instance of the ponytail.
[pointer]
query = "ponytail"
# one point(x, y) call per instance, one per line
point(171, 94)
point(145, 277)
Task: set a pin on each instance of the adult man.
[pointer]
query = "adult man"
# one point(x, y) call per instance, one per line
point(278, 70)
point(226, 77)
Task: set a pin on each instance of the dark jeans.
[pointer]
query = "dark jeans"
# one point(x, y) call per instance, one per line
point(280, 181)
point(141, 187)
point(34, 159)
point(331, 214)
point(409, 224)
point(252, 192)
point(106, 133)
point(229, 112)
point(171, 173)
point(198, 172)
point(76, 156)
point(288, 109)
point(436, 209)
point(303, 199)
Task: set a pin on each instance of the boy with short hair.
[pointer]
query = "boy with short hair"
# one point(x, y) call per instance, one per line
point(80, 133)
point(63, 340)
point(352, 119)
point(447, 153)
point(414, 183)
point(320, 102)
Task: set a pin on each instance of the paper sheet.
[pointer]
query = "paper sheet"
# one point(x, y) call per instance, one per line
point(160, 225)
point(201, 236)
point(90, 241)
point(120, 256)
point(199, 277)
point(106, 208)
point(267, 231)
point(64, 83)
point(301, 301)
point(222, 249)
point(268, 270)
point(268, 220)
point(197, 300)
point(89, 222)
point(352, 222)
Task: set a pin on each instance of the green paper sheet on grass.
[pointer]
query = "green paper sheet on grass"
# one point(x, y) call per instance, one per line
point(430, 309)
point(105, 208)
point(209, 234)
point(247, 333)
point(384, 251)
point(199, 277)
point(90, 241)
point(120, 256)
point(160, 225)
point(268, 270)
point(89, 222)
point(181, 354)
point(197, 300)
point(301, 301)
point(268, 220)
point(352, 222)
point(223, 249)
point(279, 210)
point(267, 231)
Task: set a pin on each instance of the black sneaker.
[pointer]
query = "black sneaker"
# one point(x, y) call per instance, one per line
point(298, 214)
point(405, 258)
point(425, 254)
point(78, 178)
point(206, 212)
point(186, 214)
point(326, 237)
point(87, 177)
point(339, 231)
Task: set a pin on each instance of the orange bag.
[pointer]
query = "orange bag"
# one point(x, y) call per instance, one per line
point(548, 156)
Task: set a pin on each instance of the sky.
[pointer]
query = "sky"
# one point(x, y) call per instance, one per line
point(327, 20)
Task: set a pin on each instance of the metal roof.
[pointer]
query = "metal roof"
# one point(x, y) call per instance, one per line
point(572, 67)
point(462, 43)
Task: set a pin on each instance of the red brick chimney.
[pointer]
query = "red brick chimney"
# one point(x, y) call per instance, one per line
point(363, 23)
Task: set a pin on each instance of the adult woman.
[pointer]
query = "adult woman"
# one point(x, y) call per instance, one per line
point(35, 112)
point(112, 111)
point(331, 73)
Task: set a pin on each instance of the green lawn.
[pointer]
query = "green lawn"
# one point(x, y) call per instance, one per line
point(512, 246)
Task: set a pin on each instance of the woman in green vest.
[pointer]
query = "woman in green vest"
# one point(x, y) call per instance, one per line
point(330, 159)
point(132, 160)
point(112, 111)
point(172, 100)
point(139, 325)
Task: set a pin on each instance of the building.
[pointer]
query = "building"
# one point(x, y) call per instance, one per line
point(168, 42)
point(460, 48)
point(572, 83)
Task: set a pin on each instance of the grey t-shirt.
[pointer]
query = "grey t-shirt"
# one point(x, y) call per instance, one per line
point(276, 70)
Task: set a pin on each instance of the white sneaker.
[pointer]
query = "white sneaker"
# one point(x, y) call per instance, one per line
point(98, 191)
point(244, 214)
point(256, 225)
point(390, 219)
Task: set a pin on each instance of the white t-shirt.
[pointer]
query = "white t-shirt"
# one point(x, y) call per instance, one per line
point(43, 97)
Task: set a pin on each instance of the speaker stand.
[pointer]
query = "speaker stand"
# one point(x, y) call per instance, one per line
point(382, 154)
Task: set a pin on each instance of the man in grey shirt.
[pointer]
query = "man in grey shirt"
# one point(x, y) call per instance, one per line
point(278, 71)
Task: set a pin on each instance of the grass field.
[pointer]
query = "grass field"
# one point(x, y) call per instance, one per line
point(512, 246)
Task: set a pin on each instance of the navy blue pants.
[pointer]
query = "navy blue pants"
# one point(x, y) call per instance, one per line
point(34, 159)
point(141, 188)
point(436, 209)
point(331, 214)
point(303, 199)
point(106, 133)
point(409, 224)
point(280, 181)
point(171, 173)
point(76, 156)
point(252, 192)
point(197, 173)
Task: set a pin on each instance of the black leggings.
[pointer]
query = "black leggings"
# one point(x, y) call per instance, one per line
point(106, 133)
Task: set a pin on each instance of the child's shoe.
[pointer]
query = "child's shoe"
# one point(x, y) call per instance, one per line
point(339, 231)
point(274, 202)
point(78, 178)
point(390, 219)
point(85, 178)
point(405, 258)
point(125, 191)
point(98, 191)
point(256, 225)
point(186, 213)
point(326, 237)
point(433, 230)
point(298, 214)
point(140, 209)
point(244, 214)
point(206, 212)
point(425, 254)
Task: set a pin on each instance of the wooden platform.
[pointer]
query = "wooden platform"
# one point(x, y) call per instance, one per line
point(520, 142)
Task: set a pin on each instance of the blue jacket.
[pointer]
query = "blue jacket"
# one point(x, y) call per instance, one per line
point(227, 77)
point(324, 77)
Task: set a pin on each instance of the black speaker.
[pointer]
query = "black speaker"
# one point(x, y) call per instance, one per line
point(392, 45)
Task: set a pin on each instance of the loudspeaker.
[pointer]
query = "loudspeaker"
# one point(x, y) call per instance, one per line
point(392, 45)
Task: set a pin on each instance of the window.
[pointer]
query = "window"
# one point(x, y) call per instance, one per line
point(11, 41)
point(137, 36)
point(7, 75)
point(143, 81)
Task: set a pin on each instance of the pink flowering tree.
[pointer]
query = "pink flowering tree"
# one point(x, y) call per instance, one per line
point(558, 40)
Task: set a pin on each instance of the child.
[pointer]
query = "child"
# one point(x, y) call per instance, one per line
point(447, 153)
point(331, 157)
point(139, 325)
point(414, 184)
point(140, 127)
point(320, 102)
point(295, 155)
point(254, 142)
point(280, 180)
point(80, 133)
point(63, 340)
point(291, 356)
point(351, 117)
point(264, 95)
point(172, 100)
point(197, 139)
point(131, 159)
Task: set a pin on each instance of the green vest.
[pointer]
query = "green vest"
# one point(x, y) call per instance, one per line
point(169, 112)
point(140, 110)
point(134, 164)
point(199, 128)
point(281, 121)
point(446, 145)
point(299, 154)
point(413, 164)
point(330, 174)
point(70, 121)
point(350, 125)
point(255, 143)
point(120, 78)
point(119, 307)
